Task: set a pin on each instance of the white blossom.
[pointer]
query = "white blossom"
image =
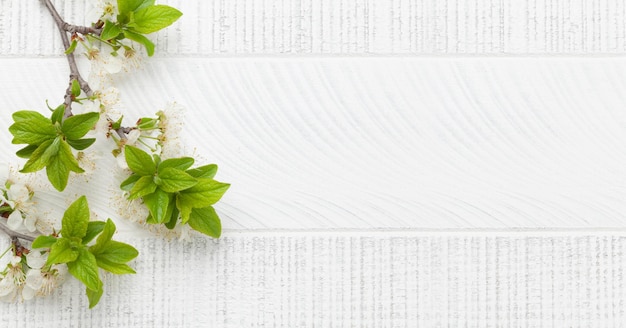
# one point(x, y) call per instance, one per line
point(41, 281)
point(171, 126)
point(103, 64)
point(24, 212)
point(36, 260)
point(13, 278)
point(102, 10)
point(132, 59)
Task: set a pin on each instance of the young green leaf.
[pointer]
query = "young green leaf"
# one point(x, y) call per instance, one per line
point(203, 172)
point(142, 40)
point(27, 151)
point(153, 18)
point(59, 167)
point(75, 89)
point(113, 256)
point(76, 219)
point(94, 228)
point(127, 6)
point(139, 161)
point(206, 192)
point(72, 47)
point(158, 203)
point(128, 184)
point(42, 155)
point(44, 242)
point(115, 268)
point(181, 163)
point(174, 180)
point(81, 144)
point(32, 128)
point(142, 187)
point(77, 126)
point(57, 114)
point(171, 224)
point(62, 251)
point(110, 31)
point(104, 237)
point(85, 269)
point(94, 296)
point(205, 220)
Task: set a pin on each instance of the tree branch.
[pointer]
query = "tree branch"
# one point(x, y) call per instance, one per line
point(74, 72)
point(64, 28)
point(14, 234)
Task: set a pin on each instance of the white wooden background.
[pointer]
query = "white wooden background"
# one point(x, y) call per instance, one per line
point(393, 163)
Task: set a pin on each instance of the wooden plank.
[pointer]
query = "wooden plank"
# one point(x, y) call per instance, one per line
point(386, 143)
point(234, 27)
point(364, 280)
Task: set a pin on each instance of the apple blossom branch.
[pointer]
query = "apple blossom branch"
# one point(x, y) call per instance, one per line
point(65, 28)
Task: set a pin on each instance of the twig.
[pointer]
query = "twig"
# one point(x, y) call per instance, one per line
point(14, 234)
point(64, 28)
point(74, 72)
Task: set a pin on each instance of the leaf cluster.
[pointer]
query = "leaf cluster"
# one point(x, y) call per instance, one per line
point(74, 248)
point(49, 141)
point(137, 18)
point(171, 189)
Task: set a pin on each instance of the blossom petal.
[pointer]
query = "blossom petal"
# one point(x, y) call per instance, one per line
point(15, 220)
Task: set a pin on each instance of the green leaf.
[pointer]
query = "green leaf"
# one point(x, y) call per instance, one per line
point(139, 161)
point(94, 228)
point(42, 155)
point(174, 180)
point(27, 151)
point(31, 128)
point(203, 172)
point(110, 31)
point(117, 252)
point(116, 268)
point(128, 184)
point(75, 89)
point(142, 187)
point(72, 47)
point(142, 40)
point(206, 192)
point(85, 269)
point(75, 127)
point(205, 220)
point(104, 238)
point(62, 252)
point(158, 203)
point(44, 242)
point(59, 167)
point(57, 114)
point(127, 6)
point(153, 18)
point(117, 124)
point(147, 123)
point(181, 163)
point(173, 217)
point(76, 219)
point(81, 144)
point(94, 296)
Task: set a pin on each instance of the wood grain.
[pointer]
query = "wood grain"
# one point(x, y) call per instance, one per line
point(386, 143)
point(355, 280)
point(248, 27)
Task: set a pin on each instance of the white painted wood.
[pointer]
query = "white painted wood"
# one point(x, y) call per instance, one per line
point(233, 27)
point(387, 142)
point(355, 280)
point(324, 153)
